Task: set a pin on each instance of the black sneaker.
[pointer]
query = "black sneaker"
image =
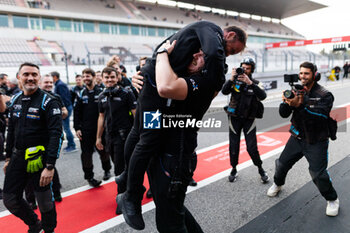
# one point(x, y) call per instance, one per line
point(94, 183)
point(121, 179)
point(131, 212)
point(107, 175)
point(233, 175)
point(36, 228)
point(57, 196)
point(33, 205)
point(193, 183)
point(264, 177)
point(149, 193)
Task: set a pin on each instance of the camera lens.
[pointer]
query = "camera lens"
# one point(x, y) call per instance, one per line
point(288, 94)
point(239, 70)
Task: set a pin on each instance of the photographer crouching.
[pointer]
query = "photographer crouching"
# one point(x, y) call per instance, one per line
point(245, 105)
point(310, 109)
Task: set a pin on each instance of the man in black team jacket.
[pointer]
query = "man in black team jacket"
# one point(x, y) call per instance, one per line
point(46, 84)
point(244, 107)
point(116, 110)
point(215, 44)
point(310, 111)
point(85, 125)
point(33, 144)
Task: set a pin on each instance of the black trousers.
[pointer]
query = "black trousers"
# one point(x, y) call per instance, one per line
point(88, 147)
point(29, 189)
point(115, 147)
point(171, 214)
point(16, 179)
point(148, 141)
point(249, 130)
point(317, 157)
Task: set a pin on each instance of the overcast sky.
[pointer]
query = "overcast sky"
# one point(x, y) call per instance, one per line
point(331, 21)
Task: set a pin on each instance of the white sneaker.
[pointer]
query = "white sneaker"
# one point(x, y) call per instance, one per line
point(273, 190)
point(332, 208)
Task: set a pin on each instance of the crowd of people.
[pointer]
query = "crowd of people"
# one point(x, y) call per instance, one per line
point(182, 77)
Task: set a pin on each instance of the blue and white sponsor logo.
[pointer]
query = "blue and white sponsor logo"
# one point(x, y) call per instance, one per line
point(152, 120)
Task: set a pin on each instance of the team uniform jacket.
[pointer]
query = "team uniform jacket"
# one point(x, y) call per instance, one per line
point(310, 119)
point(35, 120)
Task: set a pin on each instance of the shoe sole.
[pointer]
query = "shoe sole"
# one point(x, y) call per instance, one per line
point(331, 215)
point(274, 194)
point(265, 182)
point(120, 202)
point(95, 186)
point(235, 178)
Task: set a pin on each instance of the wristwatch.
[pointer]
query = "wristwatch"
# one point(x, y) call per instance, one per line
point(50, 167)
point(162, 50)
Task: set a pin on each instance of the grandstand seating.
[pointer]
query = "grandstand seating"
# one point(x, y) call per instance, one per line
point(160, 13)
point(127, 51)
point(8, 2)
point(20, 52)
point(99, 52)
point(89, 6)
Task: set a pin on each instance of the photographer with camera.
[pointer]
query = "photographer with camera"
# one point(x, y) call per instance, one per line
point(244, 107)
point(310, 111)
point(117, 107)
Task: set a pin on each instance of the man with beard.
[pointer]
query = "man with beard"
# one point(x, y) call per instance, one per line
point(310, 134)
point(85, 125)
point(33, 144)
point(46, 84)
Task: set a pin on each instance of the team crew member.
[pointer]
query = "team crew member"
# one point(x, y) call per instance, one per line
point(46, 84)
point(244, 107)
point(75, 91)
point(98, 80)
point(215, 44)
point(85, 124)
point(33, 144)
point(123, 81)
point(171, 173)
point(115, 106)
point(309, 137)
point(62, 90)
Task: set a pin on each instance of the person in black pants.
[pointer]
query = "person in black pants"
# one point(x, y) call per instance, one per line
point(117, 108)
point(85, 124)
point(310, 111)
point(171, 170)
point(244, 107)
point(215, 44)
point(46, 84)
point(34, 139)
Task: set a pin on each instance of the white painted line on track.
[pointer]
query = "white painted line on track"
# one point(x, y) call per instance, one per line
point(4, 213)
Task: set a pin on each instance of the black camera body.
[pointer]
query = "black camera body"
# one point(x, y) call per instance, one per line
point(239, 71)
point(291, 79)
